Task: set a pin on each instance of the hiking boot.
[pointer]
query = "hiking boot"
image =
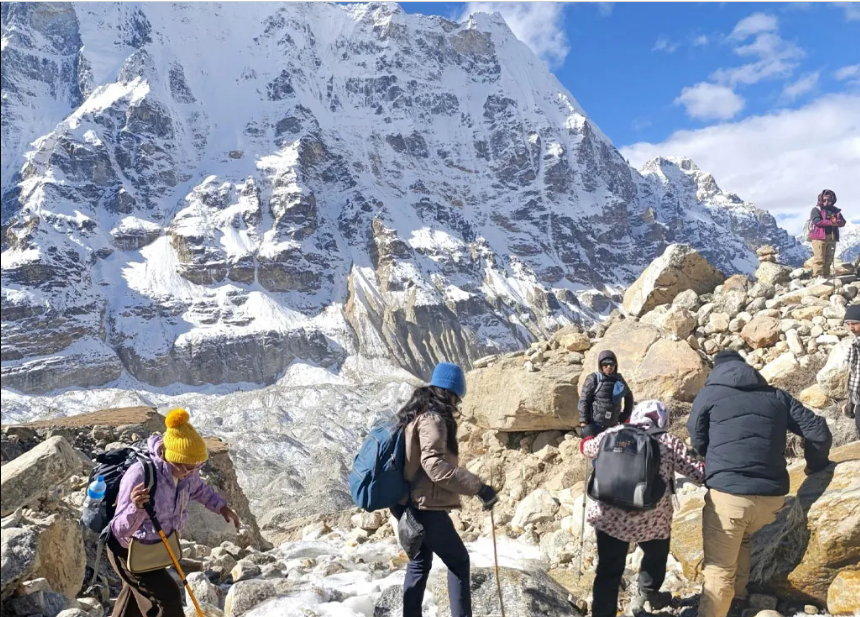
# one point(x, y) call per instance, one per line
point(738, 607)
point(656, 599)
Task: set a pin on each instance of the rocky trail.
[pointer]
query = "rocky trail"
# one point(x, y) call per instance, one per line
point(516, 429)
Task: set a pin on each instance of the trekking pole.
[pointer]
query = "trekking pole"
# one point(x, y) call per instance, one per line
point(495, 553)
point(584, 499)
point(151, 512)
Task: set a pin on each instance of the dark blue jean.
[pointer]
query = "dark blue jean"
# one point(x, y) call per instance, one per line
point(440, 538)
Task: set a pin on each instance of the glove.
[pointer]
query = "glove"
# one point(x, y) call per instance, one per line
point(488, 496)
point(589, 430)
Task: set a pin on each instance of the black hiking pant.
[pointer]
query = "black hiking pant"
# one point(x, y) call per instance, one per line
point(440, 538)
point(150, 594)
point(611, 559)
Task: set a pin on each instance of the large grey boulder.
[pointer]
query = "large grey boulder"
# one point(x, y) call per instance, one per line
point(678, 269)
point(18, 557)
point(36, 473)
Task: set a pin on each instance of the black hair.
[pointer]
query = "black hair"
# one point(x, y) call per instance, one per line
point(432, 399)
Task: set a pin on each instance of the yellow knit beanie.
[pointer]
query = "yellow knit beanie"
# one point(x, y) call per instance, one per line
point(182, 444)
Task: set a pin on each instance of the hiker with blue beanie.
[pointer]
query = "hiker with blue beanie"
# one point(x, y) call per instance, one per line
point(436, 483)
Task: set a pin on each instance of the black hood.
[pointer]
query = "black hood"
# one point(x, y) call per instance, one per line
point(607, 355)
point(735, 373)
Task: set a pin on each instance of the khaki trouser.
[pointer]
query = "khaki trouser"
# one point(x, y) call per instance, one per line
point(728, 523)
point(823, 252)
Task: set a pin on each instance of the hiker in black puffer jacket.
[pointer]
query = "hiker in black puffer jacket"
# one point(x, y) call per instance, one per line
point(600, 402)
point(739, 424)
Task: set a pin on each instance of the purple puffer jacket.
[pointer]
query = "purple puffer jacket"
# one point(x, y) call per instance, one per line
point(171, 500)
point(823, 228)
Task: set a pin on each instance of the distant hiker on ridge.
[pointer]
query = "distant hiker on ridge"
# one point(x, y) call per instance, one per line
point(824, 223)
point(852, 407)
point(603, 392)
point(437, 481)
point(739, 425)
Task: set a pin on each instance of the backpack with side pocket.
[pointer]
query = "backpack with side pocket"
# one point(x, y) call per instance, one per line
point(112, 466)
point(626, 471)
point(377, 480)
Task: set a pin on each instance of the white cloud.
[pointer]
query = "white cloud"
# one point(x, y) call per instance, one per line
point(802, 86)
point(664, 44)
point(754, 24)
point(710, 101)
point(540, 25)
point(701, 40)
point(772, 55)
point(852, 10)
point(779, 161)
point(605, 8)
point(849, 74)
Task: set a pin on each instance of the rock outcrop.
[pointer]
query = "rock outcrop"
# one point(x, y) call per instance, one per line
point(654, 367)
point(678, 269)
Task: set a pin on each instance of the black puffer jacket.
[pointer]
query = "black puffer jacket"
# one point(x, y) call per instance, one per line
point(596, 402)
point(739, 422)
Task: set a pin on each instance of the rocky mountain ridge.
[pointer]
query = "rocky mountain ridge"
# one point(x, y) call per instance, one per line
point(210, 193)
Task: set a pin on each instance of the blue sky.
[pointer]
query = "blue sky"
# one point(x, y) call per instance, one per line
point(766, 96)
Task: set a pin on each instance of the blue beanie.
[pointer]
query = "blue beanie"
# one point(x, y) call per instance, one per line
point(451, 377)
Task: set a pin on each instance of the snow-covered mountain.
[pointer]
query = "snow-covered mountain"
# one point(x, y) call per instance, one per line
point(202, 200)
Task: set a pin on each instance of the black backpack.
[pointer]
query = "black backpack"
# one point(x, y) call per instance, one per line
point(627, 470)
point(112, 466)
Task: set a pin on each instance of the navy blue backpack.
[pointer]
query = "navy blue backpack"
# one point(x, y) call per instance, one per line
point(376, 480)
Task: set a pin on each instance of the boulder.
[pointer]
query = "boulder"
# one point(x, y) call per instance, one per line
point(369, 521)
point(209, 610)
point(503, 397)
point(36, 473)
point(688, 299)
point(843, 596)
point(654, 367)
point(245, 595)
point(18, 557)
point(61, 554)
point(718, 322)
point(813, 396)
point(678, 269)
point(41, 603)
point(546, 438)
point(833, 378)
point(782, 371)
point(779, 548)
point(731, 302)
point(761, 332)
point(816, 534)
point(772, 274)
point(572, 340)
point(537, 507)
point(677, 323)
point(525, 594)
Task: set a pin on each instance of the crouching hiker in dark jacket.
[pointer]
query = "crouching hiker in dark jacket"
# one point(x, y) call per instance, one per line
point(739, 424)
point(600, 402)
point(437, 481)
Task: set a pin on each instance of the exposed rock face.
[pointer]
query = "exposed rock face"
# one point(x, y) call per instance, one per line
point(33, 475)
point(19, 556)
point(679, 268)
point(506, 398)
point(843, 597)
point(291, 246)
point(653, 366)
point(813, 538)
point(817, 535)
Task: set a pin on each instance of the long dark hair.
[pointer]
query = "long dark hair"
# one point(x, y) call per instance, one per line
point(432, 399)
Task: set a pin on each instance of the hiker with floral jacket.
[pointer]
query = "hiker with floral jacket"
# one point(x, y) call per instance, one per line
point(650, 529)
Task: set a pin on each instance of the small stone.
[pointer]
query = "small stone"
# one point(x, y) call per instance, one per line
point(761, 602)
point(530, 367)
point(810, 610)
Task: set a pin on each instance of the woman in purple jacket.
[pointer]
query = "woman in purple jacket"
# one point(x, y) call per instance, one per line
point(178, 457)
point(824, 223)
